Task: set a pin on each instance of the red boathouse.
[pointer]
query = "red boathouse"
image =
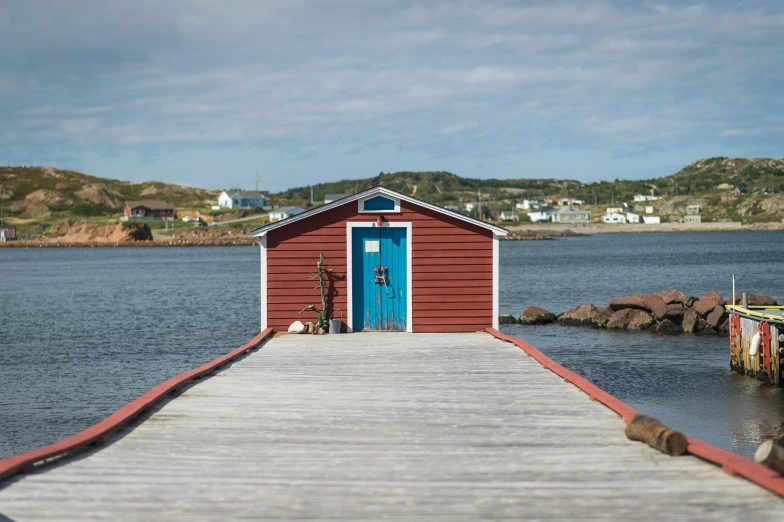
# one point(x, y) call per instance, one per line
point(398, 263)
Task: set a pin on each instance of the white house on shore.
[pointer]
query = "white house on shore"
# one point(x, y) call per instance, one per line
point(614, 217)
point(242, 199)
point(541, 215)
point(651, 220)
point(645, 197)
point(572, 215)
point(282, 213)
point(633, 218)
point(508, 215)
point(529, 204)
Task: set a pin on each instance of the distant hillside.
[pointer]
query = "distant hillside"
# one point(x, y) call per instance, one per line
point(37, 197)
point(35, 192)
point(706, 177)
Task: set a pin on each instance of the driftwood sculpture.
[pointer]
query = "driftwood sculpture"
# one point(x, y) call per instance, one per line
point(656, 435)
point(322, 321)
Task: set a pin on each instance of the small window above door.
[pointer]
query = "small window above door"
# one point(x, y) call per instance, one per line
point(374, 204)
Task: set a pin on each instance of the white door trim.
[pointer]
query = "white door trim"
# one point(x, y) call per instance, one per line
point(409, 269)
point(495, 281)
point(263, 282)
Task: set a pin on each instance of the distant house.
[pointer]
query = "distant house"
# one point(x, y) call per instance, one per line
point(541, 215)
point(649, 210)
point(329, 198)
point(692, 218)
point(572, 215)
point(470, 206)
point(282, 213)
point(645, 197)
point(693, 210)
point(508, 215)
point(243, 199)
point(528, 204)
point(618, 209)
point(560, 200)
point(651, 220)
point(614, 217)
point(7, 232)
point(147, 210)
point(633, 218)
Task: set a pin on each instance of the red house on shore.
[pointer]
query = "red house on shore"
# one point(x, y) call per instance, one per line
point(398, 263)
point(148, 210)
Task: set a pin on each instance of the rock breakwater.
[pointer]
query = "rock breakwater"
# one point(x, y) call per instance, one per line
point(667, 312)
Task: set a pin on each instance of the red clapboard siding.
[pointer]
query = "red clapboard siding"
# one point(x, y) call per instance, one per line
point(452, 268)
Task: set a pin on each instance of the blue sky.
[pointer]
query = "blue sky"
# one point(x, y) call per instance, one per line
point(210, 93)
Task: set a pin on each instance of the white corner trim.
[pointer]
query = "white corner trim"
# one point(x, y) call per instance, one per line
point(361, 205)
point(495, 281)
point(409, 270)
point(263, 286)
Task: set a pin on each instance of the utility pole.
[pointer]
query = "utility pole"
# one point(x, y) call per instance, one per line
point(257, 182)
point(311, 194)
point(479, 204)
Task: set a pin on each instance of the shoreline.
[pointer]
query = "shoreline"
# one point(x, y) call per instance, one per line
point(566, 230)
point(526, 232)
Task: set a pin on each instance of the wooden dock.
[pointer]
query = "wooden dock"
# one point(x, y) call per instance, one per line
point(381, 426)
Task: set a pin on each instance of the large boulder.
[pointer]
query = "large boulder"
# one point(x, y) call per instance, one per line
point(675, 312)
point(620, 319)
point(692, 322)
point(536, 315)
point(716, 317)
point(757, 300)
point(675, 296)
point(639, 320)
point(658, 308)
point(586, 315)
point(668, 327)
point(707, 331)
point(707, 303)
point(638, 302)
point(506, 319)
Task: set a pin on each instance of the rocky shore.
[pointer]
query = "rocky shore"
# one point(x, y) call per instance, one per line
point(667, 312)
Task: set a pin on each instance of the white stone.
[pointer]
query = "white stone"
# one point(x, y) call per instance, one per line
point(296, 327)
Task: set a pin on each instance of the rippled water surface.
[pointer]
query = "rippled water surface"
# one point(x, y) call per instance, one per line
point(85, 331)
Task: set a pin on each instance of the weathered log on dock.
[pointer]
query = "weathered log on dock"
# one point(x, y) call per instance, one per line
point(771, 455)
point(656, 435)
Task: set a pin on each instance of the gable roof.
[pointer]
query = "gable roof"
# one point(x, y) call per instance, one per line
point(250, 194)
point(261, 231)
point(152, 205)
point(568, 210)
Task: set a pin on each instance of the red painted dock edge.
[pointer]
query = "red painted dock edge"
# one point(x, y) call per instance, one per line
point(731, 463)
point(94, 435)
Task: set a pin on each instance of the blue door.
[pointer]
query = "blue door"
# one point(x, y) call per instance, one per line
point(379, 278)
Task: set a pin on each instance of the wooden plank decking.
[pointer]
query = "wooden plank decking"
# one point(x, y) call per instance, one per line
point(382, 426)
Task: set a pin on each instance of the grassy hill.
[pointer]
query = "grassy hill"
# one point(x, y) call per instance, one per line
point(36, 197)
point(706, 177)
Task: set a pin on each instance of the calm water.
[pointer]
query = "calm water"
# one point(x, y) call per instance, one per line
point(84, 331)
